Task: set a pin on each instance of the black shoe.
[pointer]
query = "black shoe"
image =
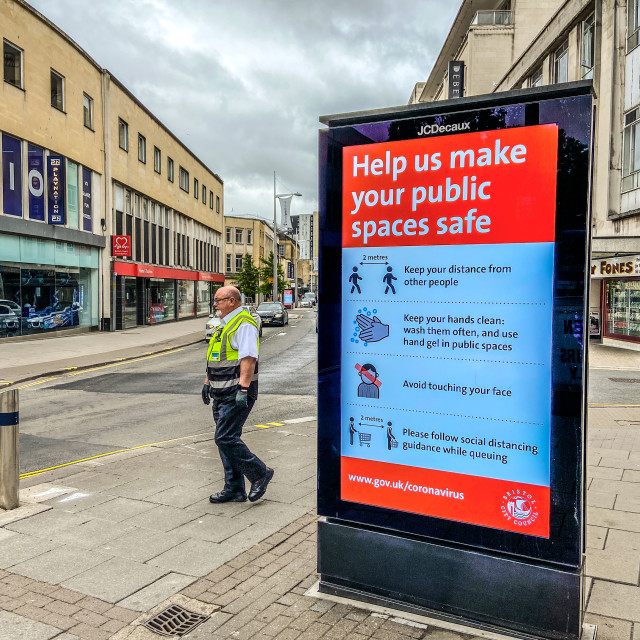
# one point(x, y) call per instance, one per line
point(260, 486)
point(227, 496)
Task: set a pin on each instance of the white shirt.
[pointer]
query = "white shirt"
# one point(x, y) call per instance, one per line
point(245, 339)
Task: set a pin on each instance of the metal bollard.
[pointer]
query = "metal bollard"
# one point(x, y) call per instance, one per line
point(9, 449)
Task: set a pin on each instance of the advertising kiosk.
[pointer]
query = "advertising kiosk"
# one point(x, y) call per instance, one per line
point(454, 245)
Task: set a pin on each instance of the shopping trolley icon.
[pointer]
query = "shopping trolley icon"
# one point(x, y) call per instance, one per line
point(365, 438)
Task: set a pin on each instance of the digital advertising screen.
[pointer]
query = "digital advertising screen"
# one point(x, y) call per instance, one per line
point(447, 263)
point(453, 272)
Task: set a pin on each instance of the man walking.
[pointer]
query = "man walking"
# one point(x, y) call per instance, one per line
point(232, 382)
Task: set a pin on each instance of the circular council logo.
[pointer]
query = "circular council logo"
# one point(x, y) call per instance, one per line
point(520, 507)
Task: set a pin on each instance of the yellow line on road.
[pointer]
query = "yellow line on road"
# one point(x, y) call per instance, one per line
point(263, 426)
point(33, 384)
point(30, 474)
point(276, 424)
point(119, 364)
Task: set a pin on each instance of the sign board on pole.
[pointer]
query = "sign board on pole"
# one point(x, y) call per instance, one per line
point(455, 317)
point(56, 189)
point(287, 298)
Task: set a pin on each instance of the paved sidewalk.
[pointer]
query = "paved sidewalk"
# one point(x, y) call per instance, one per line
point(99, 547)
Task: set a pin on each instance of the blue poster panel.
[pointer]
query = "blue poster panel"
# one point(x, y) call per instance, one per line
point(55, 176)
point(86, 200)
point(35, 179)
point(11, 176)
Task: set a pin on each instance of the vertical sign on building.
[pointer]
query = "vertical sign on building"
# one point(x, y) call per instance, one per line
point(35, 178)
point(73, 216)
point(56, 189)
point(86, 200)
point(456, 79)
point(11, 175)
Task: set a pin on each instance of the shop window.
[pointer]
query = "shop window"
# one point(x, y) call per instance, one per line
point(587, 47)
point(633, 24)
point(184, 179)
point(238, 236)
point(123, 134)
point(87, 109)
point(631, 151)
point(561, 63)
point(169, 169)
point(622, 304)
point(157, 160)
point(195, 188)
point(142, 148)
point(57, 90)
point(535, 79)
point(12, 64)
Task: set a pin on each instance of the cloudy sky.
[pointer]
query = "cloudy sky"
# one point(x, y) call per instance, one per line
point(243, 82)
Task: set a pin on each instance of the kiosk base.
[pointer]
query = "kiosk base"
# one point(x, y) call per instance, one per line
point(459, 585)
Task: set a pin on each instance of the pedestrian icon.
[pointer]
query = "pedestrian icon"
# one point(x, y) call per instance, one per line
point(388, 278)
point(353, 278)
point(352, 430)
point(391, 439)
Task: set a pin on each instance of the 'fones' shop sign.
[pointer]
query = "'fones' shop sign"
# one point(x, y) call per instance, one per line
point(616, 267)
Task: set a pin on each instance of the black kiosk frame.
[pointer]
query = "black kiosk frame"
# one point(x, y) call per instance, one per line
point(494, 579)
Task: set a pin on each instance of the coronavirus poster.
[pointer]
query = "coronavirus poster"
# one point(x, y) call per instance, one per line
point(447, 309)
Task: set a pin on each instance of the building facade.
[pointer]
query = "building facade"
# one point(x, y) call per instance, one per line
point(516, 44)
point(83, 161)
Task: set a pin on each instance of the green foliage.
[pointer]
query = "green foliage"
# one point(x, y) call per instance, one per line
point(266, 276)
point(248, 278)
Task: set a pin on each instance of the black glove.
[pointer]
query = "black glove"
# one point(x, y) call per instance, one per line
point(242, 401)
point(206, 397)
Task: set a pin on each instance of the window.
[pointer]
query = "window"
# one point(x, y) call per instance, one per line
point(633, 24)
point(217, 204)
point(157, 160)
point(561, 64)
point(631, 151)
point(228, 235)
point(184, 180)
point(87, 107)
point(204, 194)
point(249, 236)
point(169, 169)
point(195, 188)
point(238, 262)
point(57, 90)
point(228, 263)
point(586, 63)
point(238, 236)
point(12, 65)
point(142, 148)
point(210, 199)
point(535, 79)
point(123, 134)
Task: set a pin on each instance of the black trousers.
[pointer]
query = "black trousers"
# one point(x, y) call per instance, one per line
point(236, 458)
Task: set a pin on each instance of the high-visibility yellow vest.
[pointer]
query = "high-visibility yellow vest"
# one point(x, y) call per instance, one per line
point(223, 365)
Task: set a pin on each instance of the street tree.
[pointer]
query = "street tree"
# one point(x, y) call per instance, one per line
point(248, 278)
point(266, 276)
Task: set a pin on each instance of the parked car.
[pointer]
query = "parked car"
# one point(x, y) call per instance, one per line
point(273, 313)
point(214, 322)
point(305, 302)
point(311, 297)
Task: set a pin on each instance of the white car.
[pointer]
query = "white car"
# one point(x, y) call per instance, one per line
point(305, 302)
point(214, 322)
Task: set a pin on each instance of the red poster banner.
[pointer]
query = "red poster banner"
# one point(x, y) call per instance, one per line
point(121, 246)
point(457, 189)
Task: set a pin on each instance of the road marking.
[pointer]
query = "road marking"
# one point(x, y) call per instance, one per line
point(276, 424)
point(297, 420)
point(30, 474)
point(282, 333)
point(70, 368)
point(6, 381)
point(33, 384)
point(263, 426)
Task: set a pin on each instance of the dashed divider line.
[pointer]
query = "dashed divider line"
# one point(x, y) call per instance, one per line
point(455, 415)
point(401, 355)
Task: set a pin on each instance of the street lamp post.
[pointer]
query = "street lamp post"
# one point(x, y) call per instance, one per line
point(276, 255)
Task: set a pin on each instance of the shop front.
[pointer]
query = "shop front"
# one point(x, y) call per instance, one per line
point(614, 310)
point(46, 285)
point(147, 294)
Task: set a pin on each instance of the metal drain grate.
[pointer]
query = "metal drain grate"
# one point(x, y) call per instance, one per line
point(175, 621)
point(628, 380)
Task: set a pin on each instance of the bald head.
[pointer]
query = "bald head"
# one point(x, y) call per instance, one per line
point(227, 299)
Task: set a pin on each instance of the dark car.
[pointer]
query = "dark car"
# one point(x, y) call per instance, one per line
point(273, 313)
